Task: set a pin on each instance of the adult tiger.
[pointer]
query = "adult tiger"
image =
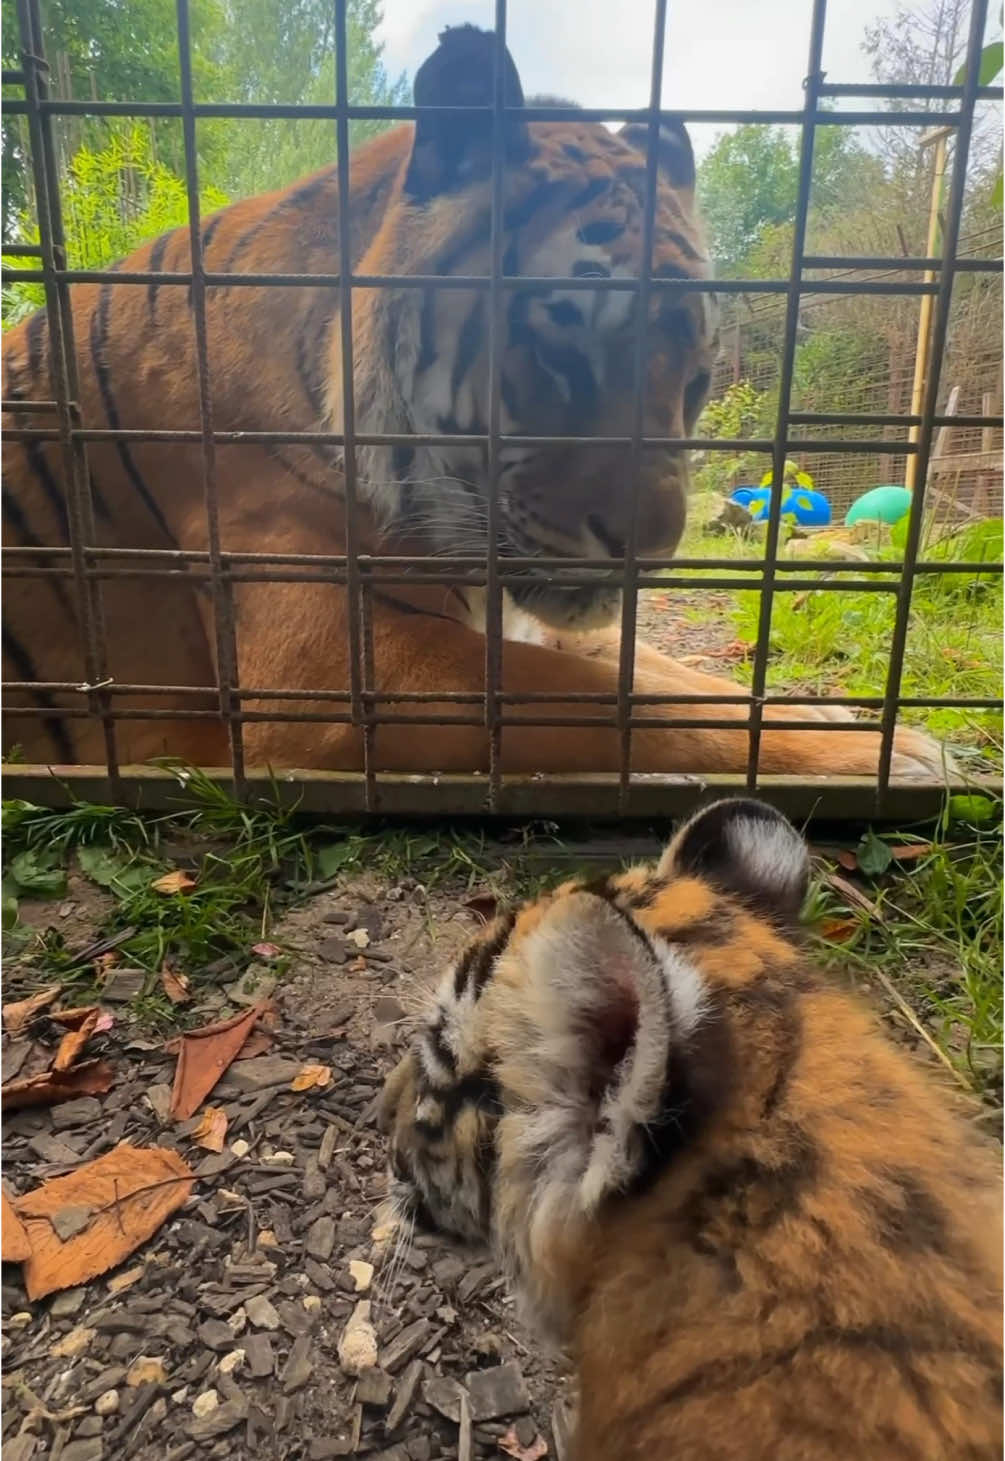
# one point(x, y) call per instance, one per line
point(419, 204)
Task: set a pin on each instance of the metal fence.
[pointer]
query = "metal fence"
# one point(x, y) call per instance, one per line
point(86, 565)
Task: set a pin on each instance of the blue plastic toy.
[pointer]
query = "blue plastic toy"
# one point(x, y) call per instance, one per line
point(810, 509)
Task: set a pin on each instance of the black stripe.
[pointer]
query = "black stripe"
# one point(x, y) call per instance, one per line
point(574, 368)
point(592, 190)
point(480, 1089)
point(898, 1345)
point(309, 349)
point(403, 607)
point(685, 246)
point(402, 460)
point(440, 1049)
point(157, 251)
point(101, 507)
point(205, 237)
point(487, 954)
point(468, 342)
point(521, 213)
point(34, 450)
point(54, 724)
point(507, 391)
point(13, 513)
point(302, 195)
point(99, 336)
point(427, 332)
point(36, 343)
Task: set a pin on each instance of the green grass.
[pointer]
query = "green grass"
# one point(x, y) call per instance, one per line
point(833, 642)
point(931, 928)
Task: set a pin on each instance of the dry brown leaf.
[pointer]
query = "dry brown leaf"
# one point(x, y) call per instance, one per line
point(49, 1087)
point(510, 1443)
point(838, 930)
point(14, 1239)
point(74, 1041)
point(910, 851)
point(205, 1055)
point(259, 1042)
point(483, 905)
point(175, 986)
point(17, 1015)
point(212, 1129)
point(131, 1190)
point(847, 858)
point(176, 882)
point(311, 1076)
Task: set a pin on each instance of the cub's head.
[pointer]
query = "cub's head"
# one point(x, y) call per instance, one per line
point(573, 207)
point(580, 1045)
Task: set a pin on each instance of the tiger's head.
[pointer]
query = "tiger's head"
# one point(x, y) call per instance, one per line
point(581, 1046)
point(573, 207)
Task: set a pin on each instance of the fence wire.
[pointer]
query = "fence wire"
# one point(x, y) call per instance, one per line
point(84, 566)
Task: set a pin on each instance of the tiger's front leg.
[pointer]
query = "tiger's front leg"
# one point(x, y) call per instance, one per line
point(305, 645)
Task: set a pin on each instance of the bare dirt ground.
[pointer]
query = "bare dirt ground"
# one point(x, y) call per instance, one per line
point(241, 1298)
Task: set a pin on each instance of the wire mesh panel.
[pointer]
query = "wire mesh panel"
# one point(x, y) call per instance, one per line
point(886, 426)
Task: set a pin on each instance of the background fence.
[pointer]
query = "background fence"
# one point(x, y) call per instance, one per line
point(870, 438)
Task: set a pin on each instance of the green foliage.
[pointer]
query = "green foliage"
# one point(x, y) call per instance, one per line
point(741, 412)
point(284, 51)
point(747, 185)
point(113, 199)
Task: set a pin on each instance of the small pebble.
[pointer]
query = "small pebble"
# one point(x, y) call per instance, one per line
point(261, 1313)
point(238, 1321)
point(107, 1403)
point(240, 1147)
point(231, 1362)
point(361, 1273)
point(205, 1404)
point(279, 1159)
point(311, 1303)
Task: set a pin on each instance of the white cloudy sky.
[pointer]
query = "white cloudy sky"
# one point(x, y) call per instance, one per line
point(720, 53)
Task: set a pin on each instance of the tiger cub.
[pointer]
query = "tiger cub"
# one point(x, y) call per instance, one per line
point(754, 1223)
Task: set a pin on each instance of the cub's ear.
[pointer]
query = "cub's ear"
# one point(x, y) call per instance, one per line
point(675, 154)
point(594, 1045)
point(745, 847)
point(451, 151)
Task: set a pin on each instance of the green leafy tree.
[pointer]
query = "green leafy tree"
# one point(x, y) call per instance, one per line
point(113, 199)
point(284, 51)
point(747, 186)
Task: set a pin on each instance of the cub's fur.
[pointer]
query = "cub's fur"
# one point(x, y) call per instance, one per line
point(419, 204)
point(754, 1222)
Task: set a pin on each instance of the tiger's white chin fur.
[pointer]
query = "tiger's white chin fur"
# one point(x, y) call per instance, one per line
point(574, 610)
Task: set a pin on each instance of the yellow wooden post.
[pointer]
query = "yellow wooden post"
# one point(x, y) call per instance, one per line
point(937, 137)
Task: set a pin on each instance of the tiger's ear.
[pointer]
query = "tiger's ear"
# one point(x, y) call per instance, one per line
point(675, 155)
point(600, 1011)
point(451, 151)
point(745, 847)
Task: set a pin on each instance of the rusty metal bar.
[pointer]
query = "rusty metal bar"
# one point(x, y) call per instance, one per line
point(940, 326)
point(353, 591)
point(63, 374)
point(319, 112)
point(223, 599)
point(361, 705)
point(629, 583)
point(615, 285)
point(781, 445)
point(493, 588)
